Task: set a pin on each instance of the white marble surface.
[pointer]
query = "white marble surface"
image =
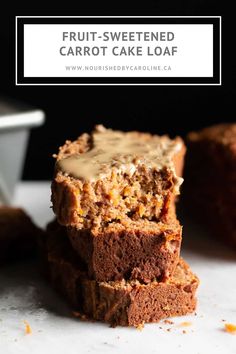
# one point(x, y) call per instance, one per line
point(25, 296)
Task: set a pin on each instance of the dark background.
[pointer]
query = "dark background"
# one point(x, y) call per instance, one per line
point(162, 109)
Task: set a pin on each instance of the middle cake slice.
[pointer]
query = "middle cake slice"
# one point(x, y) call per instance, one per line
point(142, 250)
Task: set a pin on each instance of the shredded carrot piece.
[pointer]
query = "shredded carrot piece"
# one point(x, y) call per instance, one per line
point(230, 328)
point(185, 324)
point(28, 329)
point(140, 327)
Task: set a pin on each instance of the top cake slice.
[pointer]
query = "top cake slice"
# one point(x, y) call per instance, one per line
point(112, 175)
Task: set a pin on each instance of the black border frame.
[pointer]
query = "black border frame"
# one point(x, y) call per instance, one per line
point(215, 80)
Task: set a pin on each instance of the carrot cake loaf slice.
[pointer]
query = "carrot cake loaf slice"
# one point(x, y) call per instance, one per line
point(107, 176)
point(210, 174)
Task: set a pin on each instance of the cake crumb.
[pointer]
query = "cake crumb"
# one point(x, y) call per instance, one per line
point(230, 328)
point(28, 329)
point(79, 315)
point(168, 329)
point(140, 327)
point(223, 320)
point(168, 322)
point(185, 324)
point(184, 332)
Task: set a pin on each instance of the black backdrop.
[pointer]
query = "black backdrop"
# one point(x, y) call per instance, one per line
point(161, 109)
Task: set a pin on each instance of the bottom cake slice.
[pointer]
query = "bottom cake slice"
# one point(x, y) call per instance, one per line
point(126, 303)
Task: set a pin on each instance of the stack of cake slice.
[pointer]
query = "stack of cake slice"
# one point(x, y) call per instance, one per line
point(114, 249)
